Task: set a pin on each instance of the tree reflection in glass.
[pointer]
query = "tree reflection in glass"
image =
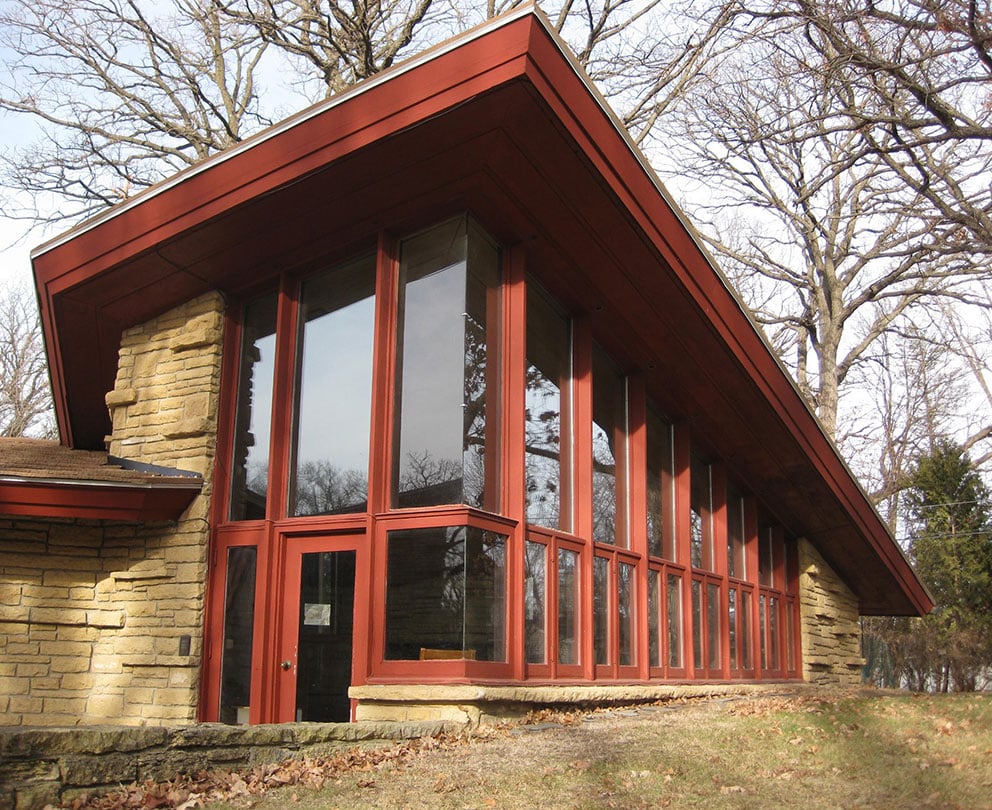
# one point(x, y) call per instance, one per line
point(334, 391)
point(447, 369)
point(250, 469)
point(546, 416)
point(609, 427)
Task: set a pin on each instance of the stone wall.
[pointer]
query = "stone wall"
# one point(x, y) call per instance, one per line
point(831, 631)
point(46, 767)
point(101, 620)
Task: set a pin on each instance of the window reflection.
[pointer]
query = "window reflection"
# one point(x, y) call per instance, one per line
point(535, 594)
point(546, 416)
point(735, 534)
point(699, 516)
point(568, 618)
point(625, 606)
point(334, 391)
point(239, 628)
point(250, 471)
point(446, 591)
point(447, 361)
point(601, 605)
point(659, 475)
point(609, 428)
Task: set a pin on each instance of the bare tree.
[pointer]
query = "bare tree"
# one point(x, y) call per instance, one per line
point(25, 396)
point(124, 95)
point(912, 79)
point(835, 250)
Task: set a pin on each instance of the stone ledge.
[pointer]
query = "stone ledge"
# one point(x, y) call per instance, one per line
point(45, 766)
point(550, 694)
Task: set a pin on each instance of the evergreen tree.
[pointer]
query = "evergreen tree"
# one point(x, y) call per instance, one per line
point(951, 543)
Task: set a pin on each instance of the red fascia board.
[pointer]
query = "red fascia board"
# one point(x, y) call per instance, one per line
point(94, 501)
point(270, 161)
point(591, 126)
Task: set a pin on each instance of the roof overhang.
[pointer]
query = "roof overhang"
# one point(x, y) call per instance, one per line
point(501, 122)
point(95, 500)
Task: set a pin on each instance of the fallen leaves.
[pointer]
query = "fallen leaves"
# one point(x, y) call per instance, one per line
point(190, 792)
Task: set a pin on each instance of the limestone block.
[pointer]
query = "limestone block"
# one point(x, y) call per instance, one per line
point(120, 397)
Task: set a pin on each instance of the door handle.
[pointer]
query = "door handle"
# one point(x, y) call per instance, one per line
point(286, 665)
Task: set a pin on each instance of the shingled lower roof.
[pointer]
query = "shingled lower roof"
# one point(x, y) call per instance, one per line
point(40, 478)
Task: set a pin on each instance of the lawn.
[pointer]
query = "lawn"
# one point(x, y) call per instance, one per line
point(807, 748)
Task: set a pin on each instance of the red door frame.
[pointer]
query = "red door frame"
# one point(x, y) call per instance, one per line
point(287, 624)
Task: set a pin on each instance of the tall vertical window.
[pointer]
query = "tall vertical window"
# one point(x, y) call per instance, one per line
point(535, 600)
point(674, 612)
point(568, 607)
point(700, 516)
point(601, 609)
point(447, 391)
point(625, 609)
point(765, 565)
point(609, 430)
point(735, 534)
point(250, 473)
point(659, 476)
point(547, 420)
point(239, 630)
point(654, 618)
point(334, 391)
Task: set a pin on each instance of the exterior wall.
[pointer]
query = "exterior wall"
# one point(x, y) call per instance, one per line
point(104, 621)
point(831, 632)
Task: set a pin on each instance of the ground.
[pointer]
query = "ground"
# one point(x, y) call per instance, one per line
point(805, 748)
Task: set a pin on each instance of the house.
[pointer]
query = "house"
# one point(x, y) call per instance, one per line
point(424, 402)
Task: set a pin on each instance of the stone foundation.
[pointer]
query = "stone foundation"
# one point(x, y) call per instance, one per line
point(831, 630)
point(479, 704)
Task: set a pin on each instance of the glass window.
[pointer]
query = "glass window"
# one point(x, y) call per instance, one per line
point(609, 429)
point(250, 471)
point(446, 591)
point(674, 605)
point(625, 607)
point(547, 422)
point(659, 475)
point(239, 629)
point(732, 619)
point(568, 602)
point(765, 556)
point(713, 631)
point(773, 641)
point(745, 630)
point(701, 507)
point(535, 595)
point(654, 618)
point(762, 629)
point(735, 534)
point(447, 367)
point(334, 391)
point(697, 624)
point(601, 609)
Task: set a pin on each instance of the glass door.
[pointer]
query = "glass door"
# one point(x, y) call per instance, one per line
point(317, 647)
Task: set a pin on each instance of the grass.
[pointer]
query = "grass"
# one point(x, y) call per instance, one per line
point(807, 749)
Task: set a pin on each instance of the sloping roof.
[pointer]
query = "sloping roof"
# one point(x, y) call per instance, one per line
point(44, 479)
point(501, 122)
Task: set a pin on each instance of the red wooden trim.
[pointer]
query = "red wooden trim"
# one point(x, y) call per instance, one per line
point(284, 384)
point(512, 450)
point(381, 440)
point(80, 499)
point(718, 495)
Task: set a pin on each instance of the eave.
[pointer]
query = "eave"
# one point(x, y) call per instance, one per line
point(96, 500)
point(503, 123)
